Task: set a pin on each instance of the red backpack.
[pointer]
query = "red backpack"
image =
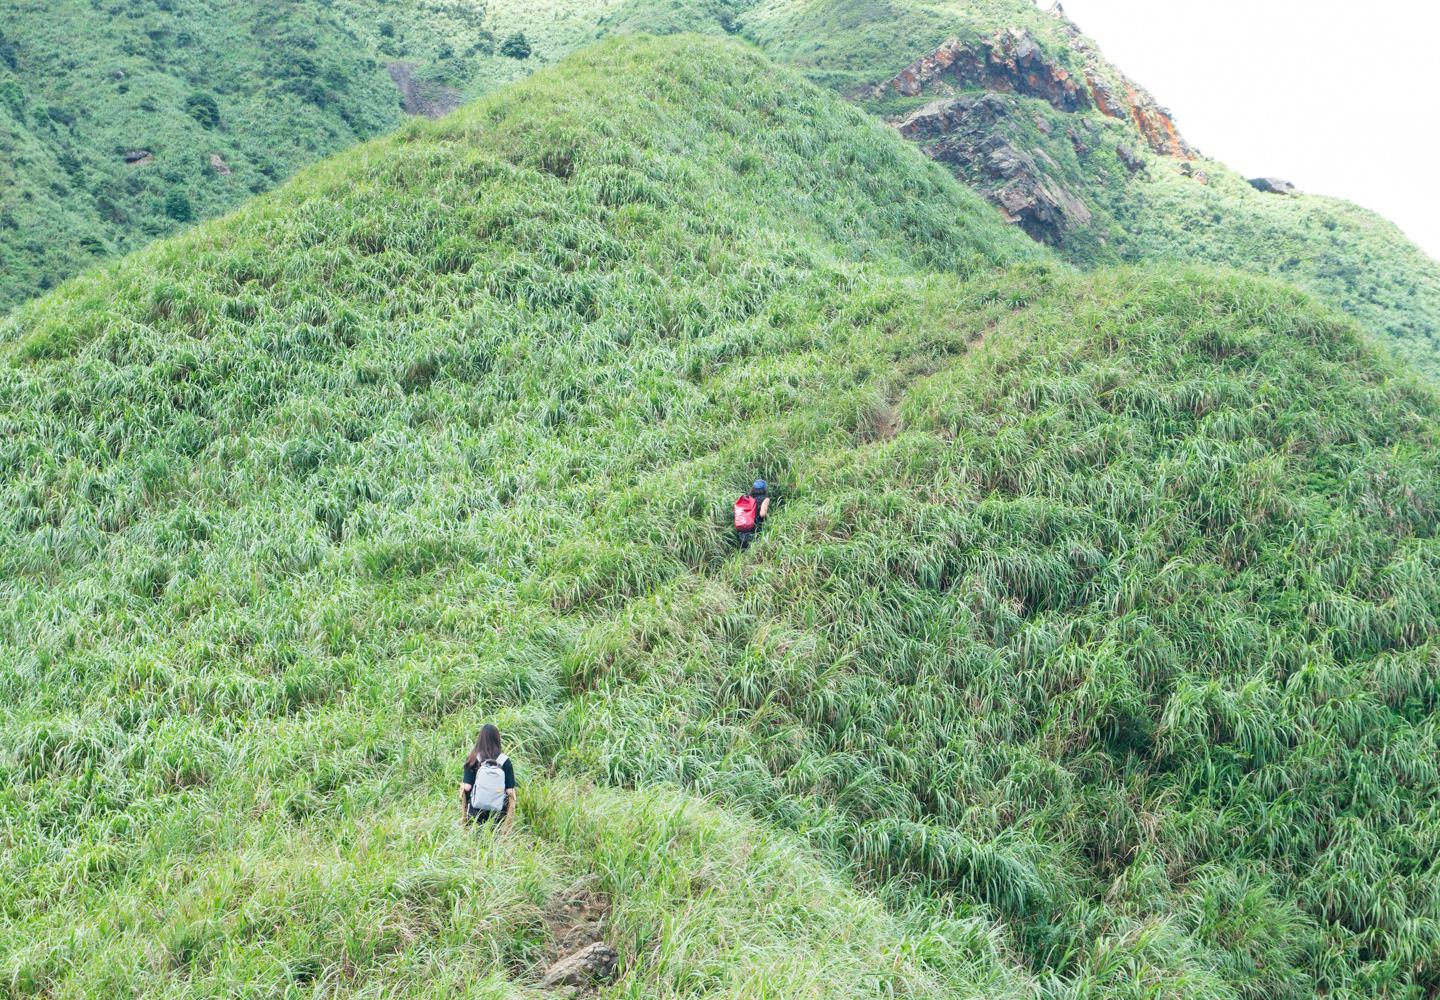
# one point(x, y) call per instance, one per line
point(745, 514)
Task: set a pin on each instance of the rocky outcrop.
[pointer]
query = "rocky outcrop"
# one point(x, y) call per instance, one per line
point(1105, 98)
point(1273, 185)
point(1010, 61)
point(1013, 62)
point(218, 164)
point(138, 157)
point(1156, 125)
point(590, 966)
point(962, 133)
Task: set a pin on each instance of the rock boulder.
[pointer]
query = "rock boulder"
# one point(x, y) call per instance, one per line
point(593, 964)
point(1272, 185)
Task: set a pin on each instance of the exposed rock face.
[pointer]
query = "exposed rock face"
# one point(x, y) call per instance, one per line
point(1272, 185)
point(595, 963)
point(962, 133)
point(1156, 125)
point(1010, 61)
point(1013, 62)
point(218, 164)
point(979, 126)
point(139, 157)
point(1105, 98)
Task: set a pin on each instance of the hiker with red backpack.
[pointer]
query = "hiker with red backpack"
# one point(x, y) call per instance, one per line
point(487, 790)
point(750, 512)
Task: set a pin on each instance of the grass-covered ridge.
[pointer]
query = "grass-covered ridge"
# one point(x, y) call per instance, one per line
point(1090, 653)
point(268, 89)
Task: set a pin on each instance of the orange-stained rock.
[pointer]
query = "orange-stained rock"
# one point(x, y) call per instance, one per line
point(1012, 61)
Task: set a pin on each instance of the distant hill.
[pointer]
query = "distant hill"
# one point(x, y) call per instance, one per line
point(1090, 650)
point(1025, 108)
point(124, 120)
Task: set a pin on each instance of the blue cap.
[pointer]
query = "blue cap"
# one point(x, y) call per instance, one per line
point(760, 486)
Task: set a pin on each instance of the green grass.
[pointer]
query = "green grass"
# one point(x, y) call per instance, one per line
point(292, 83)
point(1091, 652)
point(1340, 252)
point(845, 44)
point(86, 81)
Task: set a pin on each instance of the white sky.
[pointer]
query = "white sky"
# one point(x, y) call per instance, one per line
point(1337, 96)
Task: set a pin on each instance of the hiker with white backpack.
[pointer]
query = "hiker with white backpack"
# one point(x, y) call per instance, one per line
point(487, 792)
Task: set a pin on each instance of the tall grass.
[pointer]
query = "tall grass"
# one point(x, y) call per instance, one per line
point(1089, 653)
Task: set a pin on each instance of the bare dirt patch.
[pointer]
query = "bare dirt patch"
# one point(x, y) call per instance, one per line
point(576, 960)
point(422, 97)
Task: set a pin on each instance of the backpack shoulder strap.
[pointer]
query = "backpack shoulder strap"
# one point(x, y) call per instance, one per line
point(502, 760)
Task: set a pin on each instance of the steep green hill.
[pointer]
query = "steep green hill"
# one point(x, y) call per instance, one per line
point(1091, 652)
point(211, 102)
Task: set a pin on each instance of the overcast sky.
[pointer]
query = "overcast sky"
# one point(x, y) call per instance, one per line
point(1338, 97)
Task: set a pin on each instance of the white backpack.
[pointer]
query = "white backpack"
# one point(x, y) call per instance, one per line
point(487, 794)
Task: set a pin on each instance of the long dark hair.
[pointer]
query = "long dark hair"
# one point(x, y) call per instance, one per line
point(487, 746)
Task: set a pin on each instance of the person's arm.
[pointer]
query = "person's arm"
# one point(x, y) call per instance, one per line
point(764, 508)
point(465, 786)
point(509, 819)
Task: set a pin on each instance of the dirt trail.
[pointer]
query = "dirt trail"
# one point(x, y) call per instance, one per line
point(577, 960)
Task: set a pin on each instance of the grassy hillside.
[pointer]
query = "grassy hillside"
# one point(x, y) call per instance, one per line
point(1345, 254)
point(1339, 251)
point(265, 88)
point(1175, 211)
point(845, 44)
point(270, 88)
point(1090, 654)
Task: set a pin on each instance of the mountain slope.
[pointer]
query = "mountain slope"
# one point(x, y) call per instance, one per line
point(1103, 174)
point(580, 275)
point(123, 121)
point(1090, 653)
point(1085, 159)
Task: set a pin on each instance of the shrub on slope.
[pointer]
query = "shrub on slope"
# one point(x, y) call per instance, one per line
point(1094, 636)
